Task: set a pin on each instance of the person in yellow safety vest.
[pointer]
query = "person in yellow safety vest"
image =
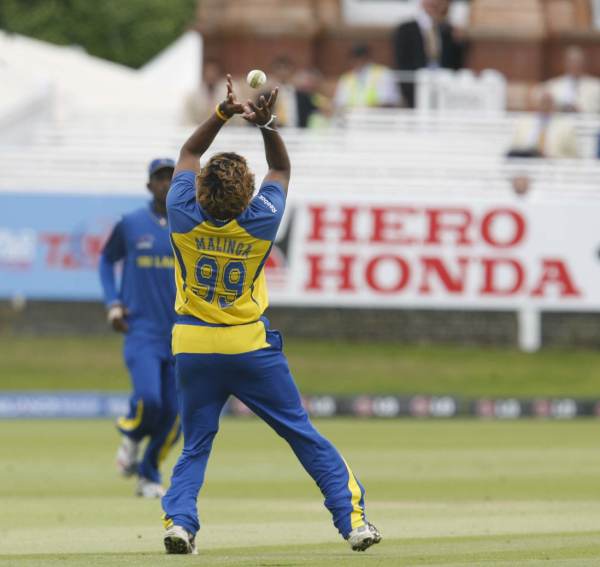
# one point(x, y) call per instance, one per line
point(367, 84)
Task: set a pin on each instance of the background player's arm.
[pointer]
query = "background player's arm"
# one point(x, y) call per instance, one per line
point(202, 138)
point(276, 153)
point(113, 251)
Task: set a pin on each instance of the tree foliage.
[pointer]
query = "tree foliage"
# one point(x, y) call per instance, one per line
point(125, 31)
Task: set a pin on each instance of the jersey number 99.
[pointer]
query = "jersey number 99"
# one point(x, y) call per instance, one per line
point(230, 286)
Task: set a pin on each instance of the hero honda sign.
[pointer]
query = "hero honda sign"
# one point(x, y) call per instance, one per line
point(442, 252)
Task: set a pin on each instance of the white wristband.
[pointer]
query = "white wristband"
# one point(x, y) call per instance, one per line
point(115, 312)
point(267, 125)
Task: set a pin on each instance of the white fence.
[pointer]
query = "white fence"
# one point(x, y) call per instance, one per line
point(382, 150)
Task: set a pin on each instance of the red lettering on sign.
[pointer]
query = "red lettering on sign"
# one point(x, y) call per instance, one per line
point(388, 225)
point(93, 247)
point(54, 242)
point(452, 221)
point(437, 267)
point(72, 253)
point(403, 270)
point(491, 275)
point(345, 225)
point(555, 273)
point(518, 228)
point(317, 272)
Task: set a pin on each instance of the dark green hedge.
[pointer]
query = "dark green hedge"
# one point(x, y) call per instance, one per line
point(126, 31)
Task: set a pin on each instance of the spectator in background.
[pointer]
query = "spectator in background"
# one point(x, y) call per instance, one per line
point(426, 41)
point(367, 84)
point(201, 103)
point(314, 106)
point(286, 107)
point(521, 185)
point(544, 134)
point(575, 91)
point(300, 101)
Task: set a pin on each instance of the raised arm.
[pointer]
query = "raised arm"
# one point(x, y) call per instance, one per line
point(203, 136)
point(275, 150)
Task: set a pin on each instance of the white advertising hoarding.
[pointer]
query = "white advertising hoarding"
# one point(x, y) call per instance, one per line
point(437, 252)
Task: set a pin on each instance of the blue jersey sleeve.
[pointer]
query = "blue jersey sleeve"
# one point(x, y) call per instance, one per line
point(263, 216)
point(113, 251)
point(182, 209)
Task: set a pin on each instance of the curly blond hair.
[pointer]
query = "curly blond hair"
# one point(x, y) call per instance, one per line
point(225, 185)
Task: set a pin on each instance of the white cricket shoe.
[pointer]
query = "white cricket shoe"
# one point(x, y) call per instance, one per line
point(127, 456)
point(179, 541)
point(148, 489)
point(363, 537)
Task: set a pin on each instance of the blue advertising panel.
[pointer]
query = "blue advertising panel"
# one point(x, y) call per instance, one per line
point(50, 244)
point(73, 405)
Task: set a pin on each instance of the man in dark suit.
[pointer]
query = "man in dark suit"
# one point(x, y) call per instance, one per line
point(426, 41)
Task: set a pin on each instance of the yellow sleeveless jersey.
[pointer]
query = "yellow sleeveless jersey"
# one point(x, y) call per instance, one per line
point(219, 270)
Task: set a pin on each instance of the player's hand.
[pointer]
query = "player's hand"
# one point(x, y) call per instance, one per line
point(261, 112)
point(117, 317)
point(230, 105)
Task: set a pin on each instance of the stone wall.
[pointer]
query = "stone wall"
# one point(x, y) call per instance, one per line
point(571, 329)
point(454, 327)
point(497, 328)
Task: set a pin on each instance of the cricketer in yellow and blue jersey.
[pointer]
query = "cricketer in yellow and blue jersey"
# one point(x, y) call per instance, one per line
point(223, 346)
point(219, 271)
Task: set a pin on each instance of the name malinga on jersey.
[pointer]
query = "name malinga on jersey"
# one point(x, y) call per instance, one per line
point(224, 245)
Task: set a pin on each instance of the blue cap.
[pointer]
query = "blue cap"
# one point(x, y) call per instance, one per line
point(160, 163)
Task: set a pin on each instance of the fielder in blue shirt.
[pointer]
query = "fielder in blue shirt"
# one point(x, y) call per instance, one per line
point(141, 308)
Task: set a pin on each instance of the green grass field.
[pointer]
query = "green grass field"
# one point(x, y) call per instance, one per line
point(452, 493)
point(84, 363)
point(443, 493)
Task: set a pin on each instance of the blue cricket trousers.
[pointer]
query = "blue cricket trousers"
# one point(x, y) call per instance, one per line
point(262, 380)
point(153, 403)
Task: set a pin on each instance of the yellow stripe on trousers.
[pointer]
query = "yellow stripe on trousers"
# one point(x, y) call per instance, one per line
point(356, 517)
point(167, 522)
point(130, 424)
point(164, 450)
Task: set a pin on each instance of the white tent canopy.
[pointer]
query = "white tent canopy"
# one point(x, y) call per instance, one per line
point(84, 83)
point(180, 64)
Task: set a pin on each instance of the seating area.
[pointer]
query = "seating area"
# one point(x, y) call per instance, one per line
point(375, 151)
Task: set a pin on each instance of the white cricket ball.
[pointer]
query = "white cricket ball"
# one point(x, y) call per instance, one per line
point(256, 78)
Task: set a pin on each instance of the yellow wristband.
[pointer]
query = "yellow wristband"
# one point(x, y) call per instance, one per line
point(220, 114)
